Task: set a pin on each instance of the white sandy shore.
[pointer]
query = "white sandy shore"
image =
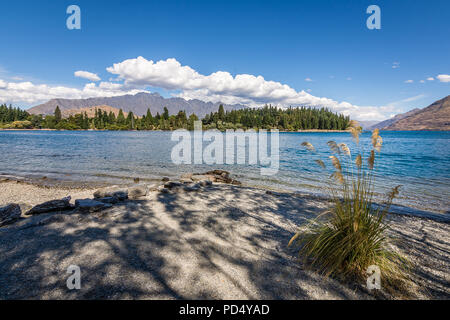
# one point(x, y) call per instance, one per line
point(222, 242)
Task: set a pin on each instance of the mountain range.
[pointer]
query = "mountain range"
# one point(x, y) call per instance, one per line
point(138, 104)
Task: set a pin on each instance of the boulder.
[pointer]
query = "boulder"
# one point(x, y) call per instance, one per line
point(172, 184)
point(137, 191)
point(218, 172)
point(192, 187)
point(114, 191)
point(89, 205)
point(204, 183)
point(165, 179)
point(9, 214)
point(200, 177)
point(185, 181)
point(52, 205)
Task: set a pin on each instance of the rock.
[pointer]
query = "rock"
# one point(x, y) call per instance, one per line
point(165, 179)
point(89, 205)
point(111, 200)
point(218, 172)
point(204, 183)
point(136, 180)
point(164, 190)
point(137, 191)
point(200, 177)
point(172, 184)
point(192, 187)
point(236, 182)
point(223, 179)
point(185, 180)
point(52, 205)
point(9, 214)
point(114, 191)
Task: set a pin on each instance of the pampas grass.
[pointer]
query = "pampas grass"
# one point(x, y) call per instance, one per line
point(350, 237)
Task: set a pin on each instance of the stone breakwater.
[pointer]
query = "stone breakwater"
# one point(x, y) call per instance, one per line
point(105, 198)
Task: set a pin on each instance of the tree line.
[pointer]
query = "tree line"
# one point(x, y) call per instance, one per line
point(267, 117)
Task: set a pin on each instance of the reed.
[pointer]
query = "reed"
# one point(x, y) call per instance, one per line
point(351, 236)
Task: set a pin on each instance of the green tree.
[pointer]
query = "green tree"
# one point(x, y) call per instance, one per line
point(58, 115)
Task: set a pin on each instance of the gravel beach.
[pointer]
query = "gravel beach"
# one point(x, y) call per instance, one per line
point(219, 242)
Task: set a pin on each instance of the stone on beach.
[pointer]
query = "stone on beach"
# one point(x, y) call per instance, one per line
point(89, 205)
point(114, 191)
point(111, 200)
point(200, 177)
point(52, 205)
point(172, 184)
point(9, 214)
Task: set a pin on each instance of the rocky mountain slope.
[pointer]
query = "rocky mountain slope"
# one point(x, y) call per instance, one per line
point(90, 111)
point(434, 117)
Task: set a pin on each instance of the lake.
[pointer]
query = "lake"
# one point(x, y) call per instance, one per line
point(417, 160)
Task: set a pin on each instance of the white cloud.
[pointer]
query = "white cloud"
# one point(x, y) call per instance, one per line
point(409, 81)
point(422, 81)
point(28, 92)
point(308, 79)
point(87, 75)
point(443, 78)
point(395, 65)
point(133, 75)
point(222, 86)
point(430, 79)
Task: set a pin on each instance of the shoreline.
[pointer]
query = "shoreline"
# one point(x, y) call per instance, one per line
point(41, 181)
point(219, 242)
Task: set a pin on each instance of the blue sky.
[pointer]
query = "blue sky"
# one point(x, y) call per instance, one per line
point(359, 71)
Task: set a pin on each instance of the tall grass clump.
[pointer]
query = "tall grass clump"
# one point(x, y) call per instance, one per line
point(351, 236)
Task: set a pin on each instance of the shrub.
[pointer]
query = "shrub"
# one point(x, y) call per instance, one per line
point(351, 236)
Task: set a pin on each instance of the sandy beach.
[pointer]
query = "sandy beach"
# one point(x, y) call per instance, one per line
point(219, 242)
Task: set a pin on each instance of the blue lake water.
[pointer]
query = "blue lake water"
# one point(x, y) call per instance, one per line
point(419, 161)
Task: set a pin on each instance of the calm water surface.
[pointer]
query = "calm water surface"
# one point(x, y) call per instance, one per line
point(420, 161)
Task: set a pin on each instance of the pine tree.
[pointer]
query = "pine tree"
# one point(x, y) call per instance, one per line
point(58, 116)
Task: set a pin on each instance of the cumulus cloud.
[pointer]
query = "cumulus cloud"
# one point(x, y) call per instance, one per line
point(395, 65)
point(221, 86)
point(308, 79)
point(87, 75)
point(28, 92)
point(430, 79)
point(409, 81)
point(443, 78)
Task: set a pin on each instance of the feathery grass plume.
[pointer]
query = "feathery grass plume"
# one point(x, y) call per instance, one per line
point(337, 175)
point(375, 135)
point(378, 144)
point(352, 236)
point(345, 149)
point(320, 163)
point(355, 133)
point(334, 147)
point(358, 161)
point(308, 146)
point(371, 160)
point(354, 124)
point(393, 193)
point(336, 162)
